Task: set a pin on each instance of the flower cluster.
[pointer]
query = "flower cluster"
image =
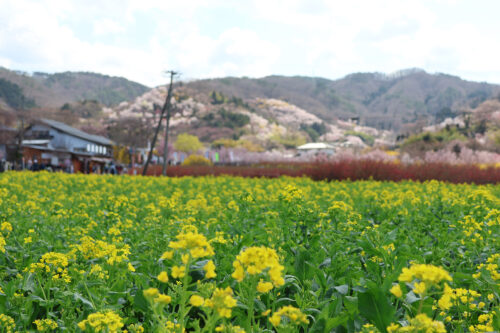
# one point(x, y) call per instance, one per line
point(6, 228)
point(292, 314)
point(45, 324)
point(256, 260)
point(291, 193)
point(427, 276)
point(462, 295)
point(2, 244)
point(485, 324)
point(491, 267)
point(172, 327)
point(107, 321)
point(54, 263)
point(222, 301)
point(421, 323)
point(154, 295)
point(195, 243)
point(95, 249)
point(7, 324)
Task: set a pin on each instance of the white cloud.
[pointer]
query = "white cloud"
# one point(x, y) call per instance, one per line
point(107, 26)
point(139, 39)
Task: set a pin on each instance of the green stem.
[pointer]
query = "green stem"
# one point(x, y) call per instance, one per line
point(250, 304)
point(210, 326)
point(182, 310)
point(88, 293)
point(43, 291)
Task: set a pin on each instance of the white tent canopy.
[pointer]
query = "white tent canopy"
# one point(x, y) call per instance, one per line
point(315, 145)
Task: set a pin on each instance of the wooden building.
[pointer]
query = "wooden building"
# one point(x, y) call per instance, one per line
point(56, 144)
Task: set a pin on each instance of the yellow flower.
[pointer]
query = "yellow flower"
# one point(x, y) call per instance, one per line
point(45, 324)
point(275, 320)
point(421, 323)
point(163, 277)
point(135, 328)
point(196, 300)
point(2, 244)
point(209, 269)
point(102, 322)
point(264, 287)
point(130, 267)
point(292, 313)
point(167, 255)
point(196, 243)
point(7, 323)
point(27, 240)
point(424, 272)
point(178, 272)
point(445, 302)
point(419, 288)
point(396, 290)
point(163, 299)
point(151, 292)
point(239, 272)
point(255, 260)
point(222, 301)
point(6, 227)
point(392, 328)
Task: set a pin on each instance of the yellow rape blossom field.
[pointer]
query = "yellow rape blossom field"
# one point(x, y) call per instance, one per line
point(136, 254)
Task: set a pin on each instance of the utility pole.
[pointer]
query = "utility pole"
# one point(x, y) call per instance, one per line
point(167, 127)
point(166, 106)
point(21, 136)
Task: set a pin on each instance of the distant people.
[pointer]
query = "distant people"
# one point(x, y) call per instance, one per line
point(112, 169)
point(35, 166)
point(67, 165)
point(29, 165)
point(2, 165)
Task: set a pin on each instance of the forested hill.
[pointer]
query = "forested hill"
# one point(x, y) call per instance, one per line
point(54, 90)
point(382, 101)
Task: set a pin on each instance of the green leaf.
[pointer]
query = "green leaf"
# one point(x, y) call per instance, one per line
point(335, 322)
point(86, 302)
point(374, 306)
point(140, 302)
point(343, 289)
point(412, 298)
point(351, 304)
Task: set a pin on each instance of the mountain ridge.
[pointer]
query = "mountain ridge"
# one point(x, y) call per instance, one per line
point(391, 101)
point(54, 90)
point(386, 103)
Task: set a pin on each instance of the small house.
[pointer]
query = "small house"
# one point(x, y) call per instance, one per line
point(61, 146)
point(315, 148)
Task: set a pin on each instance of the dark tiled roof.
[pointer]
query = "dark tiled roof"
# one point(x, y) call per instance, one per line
point(75, 132)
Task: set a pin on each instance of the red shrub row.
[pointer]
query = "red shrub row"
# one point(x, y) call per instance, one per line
point(346, 169)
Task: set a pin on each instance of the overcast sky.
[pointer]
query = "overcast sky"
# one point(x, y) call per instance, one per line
point(138, 39)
